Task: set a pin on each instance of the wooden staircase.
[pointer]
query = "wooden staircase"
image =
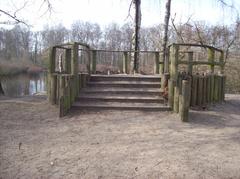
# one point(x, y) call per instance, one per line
point(121, 92)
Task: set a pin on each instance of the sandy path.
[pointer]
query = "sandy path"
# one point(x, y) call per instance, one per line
point(118, 144)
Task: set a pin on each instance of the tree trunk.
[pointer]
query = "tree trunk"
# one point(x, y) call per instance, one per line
point(165, 37)
point(136, 35)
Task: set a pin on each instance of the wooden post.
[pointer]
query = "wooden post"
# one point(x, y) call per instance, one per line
point(171, 85)
point(164, 81)
point(194, 90)
point(223, 87)
point(211, 56)
point(200, 91)
point(212, 88)
point(67, 64)
point(208, 100)
point(74, 61)
point(94, 62)
point(52, 60)
point(156, 66)
point(220, 79)
point(216, 88)
point(204, 100)
point(184, 101)
point(174, 62)
point(161, 65)
point(176, 99)
point(53, 90)
point(89, 60)
point(68, 92)
point(190, 60)
point(125, 63)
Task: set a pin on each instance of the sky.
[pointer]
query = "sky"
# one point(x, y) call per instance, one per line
point(105, 12)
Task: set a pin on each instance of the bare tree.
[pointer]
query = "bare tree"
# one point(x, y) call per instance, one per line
point(14, 19)
point(165, 37)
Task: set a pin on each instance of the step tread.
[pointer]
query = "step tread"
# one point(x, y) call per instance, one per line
point(127, 76)
point(119, 89)
point(122, 106)
point(124, 82)
point(120, 97)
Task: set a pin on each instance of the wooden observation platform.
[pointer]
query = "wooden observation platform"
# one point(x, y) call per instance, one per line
point(88, 79)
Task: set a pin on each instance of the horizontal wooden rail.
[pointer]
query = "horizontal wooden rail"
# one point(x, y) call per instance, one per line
point(197, 45)
point(201, 63)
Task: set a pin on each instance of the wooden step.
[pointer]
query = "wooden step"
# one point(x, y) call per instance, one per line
point(124, 84)
point(143, 78)
point(121, 91)
point(127, 99)
point(119, 106)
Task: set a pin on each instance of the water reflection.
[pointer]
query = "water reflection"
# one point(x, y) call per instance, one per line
point(23, 84)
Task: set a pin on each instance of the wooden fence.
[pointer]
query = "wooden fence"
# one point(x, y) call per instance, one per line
point(193, 89)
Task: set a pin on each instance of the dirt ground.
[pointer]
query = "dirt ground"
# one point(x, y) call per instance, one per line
point(35, 143)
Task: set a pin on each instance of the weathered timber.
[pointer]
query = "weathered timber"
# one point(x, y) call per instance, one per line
point(212, 88)
point(223, 87)
point(161, 65)
point(184, 101)
point(156, 65)
point(125, 63)
point(67, 62)
point(164, 81)
point(211, 56)
point(190, 60)
point(52, 58)
point(216, 88)
point(74, 61)
point(200, 91)
point(174, 62)
point(171, 85)
point(208, 96)
point(176, 99)
point(53, 89)
point(194, 90)
point(204, 100)
point(93, 62)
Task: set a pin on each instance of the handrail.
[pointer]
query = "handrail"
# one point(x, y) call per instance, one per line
point(196, 45)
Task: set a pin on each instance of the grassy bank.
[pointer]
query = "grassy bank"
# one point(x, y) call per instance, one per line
point(9, 69)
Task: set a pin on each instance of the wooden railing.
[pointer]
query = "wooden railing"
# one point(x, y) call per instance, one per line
point(191, 87)
point(64, 79)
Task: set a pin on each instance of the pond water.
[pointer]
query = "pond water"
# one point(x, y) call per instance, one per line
point(23, 84)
